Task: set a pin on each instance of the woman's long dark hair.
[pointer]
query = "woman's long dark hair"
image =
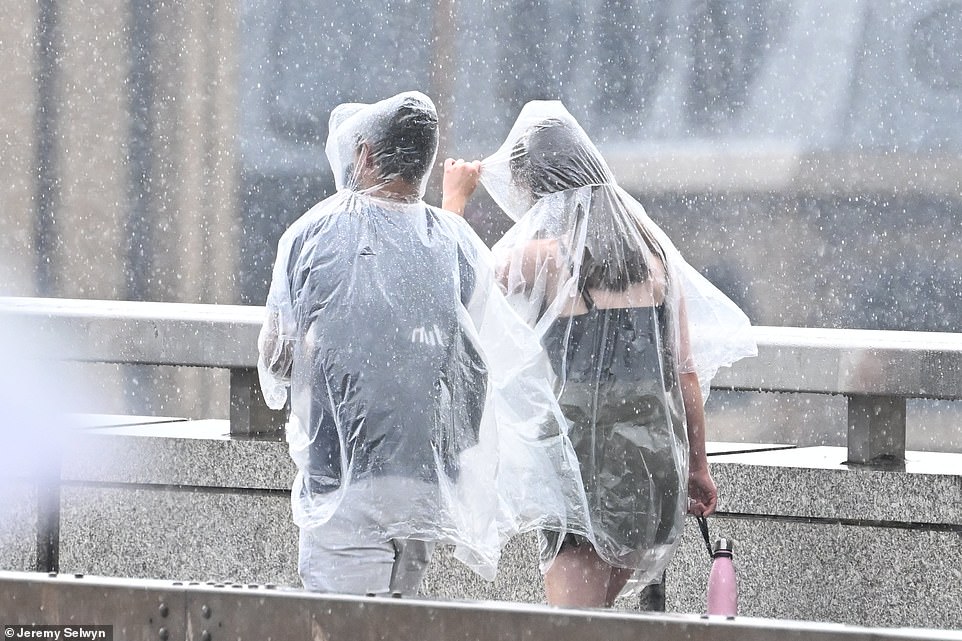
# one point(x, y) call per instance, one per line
point(553, 157)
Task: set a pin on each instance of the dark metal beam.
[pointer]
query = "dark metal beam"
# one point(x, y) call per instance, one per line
point(172, 611)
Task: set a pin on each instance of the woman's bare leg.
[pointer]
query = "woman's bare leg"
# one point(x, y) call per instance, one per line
point(578, 578)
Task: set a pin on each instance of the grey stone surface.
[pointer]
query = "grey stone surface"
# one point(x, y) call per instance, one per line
point(814, 483)
point(191, 453)
point(188, 534)
point(88, 421)
point(18, 525)
point(816, 540)
point(873, 576)
point(518, 576)
point(814, 571)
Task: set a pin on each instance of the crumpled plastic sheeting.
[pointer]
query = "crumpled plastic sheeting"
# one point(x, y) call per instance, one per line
point(403, 359)
point(621, 315)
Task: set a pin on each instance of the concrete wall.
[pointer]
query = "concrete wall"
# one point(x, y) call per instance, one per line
point(17, 147)
point(118, 171)
point(815, 540)
point(117, 133)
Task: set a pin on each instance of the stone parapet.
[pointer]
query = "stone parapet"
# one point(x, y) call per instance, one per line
point(816, 540)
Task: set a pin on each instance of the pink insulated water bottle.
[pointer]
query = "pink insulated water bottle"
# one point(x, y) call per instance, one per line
point(722, 588)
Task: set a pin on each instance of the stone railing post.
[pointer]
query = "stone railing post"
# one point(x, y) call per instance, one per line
point(249, 413)
point(876, 430)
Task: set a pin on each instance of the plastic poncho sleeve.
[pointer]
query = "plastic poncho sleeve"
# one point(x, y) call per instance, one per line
point(276, 340)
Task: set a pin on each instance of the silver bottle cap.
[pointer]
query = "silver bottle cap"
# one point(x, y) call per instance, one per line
point(724, 545)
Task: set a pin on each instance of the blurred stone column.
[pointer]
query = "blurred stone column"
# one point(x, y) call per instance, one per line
point(190, 189)
point(192, 184)
point(88, 96)
point(443, 78)
point(18, 104)
point(92, 128)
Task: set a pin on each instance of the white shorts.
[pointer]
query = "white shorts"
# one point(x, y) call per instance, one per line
point(347, 555)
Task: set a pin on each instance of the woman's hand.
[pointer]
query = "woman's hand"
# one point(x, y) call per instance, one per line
point(460, 181)
point(702, 493)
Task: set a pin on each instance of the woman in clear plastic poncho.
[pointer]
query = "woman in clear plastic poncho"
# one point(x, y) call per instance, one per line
point(634, 336)
point(411, 380)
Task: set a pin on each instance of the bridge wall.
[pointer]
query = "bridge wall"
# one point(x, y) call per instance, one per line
point(816, 541)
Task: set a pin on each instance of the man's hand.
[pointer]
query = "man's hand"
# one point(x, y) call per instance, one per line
point(460, 181)
point(702, 493)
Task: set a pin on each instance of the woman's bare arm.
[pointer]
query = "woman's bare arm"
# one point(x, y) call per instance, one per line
point(702, 492)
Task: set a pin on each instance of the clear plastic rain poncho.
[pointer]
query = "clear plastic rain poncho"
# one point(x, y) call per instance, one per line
point(413, 385)
point(621, 316)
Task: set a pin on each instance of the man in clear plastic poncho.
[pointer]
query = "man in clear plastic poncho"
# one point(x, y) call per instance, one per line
point(634, 336)
point(412, 382)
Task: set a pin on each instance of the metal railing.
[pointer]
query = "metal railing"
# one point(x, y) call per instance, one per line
point(173, 611)
point(149, 333)
point(875, 370)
